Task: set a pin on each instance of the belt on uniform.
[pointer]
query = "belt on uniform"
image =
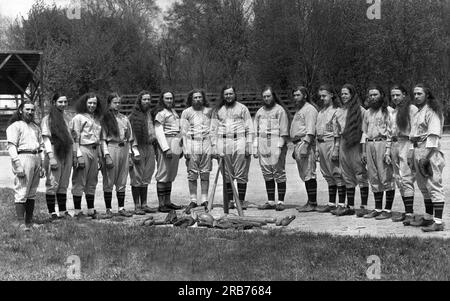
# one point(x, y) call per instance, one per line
point(93, 146)
point(377, 139)
point(416, 141)
point(397, 139)
point(119, 144)
point(32, 152)
point(234, 136)
point(172, 135)
point(322, 140)
point(197, 137)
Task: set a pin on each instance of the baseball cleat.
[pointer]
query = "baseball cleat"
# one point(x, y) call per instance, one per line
point(191, 205)
point(362, 212)
point(384, 215)
point(174, 207)
point(345, 211)
point(139, 211)
point(326, 209)
point(433, 228)
point(108, 214)
point(125, 213)
point(372, 214)
point(421, 222)
point(279, 207)
point(147, 209)
point(267, 206)
point(164, 209)
point(399, 218)
point(307, 208)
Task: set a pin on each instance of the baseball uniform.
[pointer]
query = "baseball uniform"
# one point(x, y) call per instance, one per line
point(271, 126)
point(195, 130)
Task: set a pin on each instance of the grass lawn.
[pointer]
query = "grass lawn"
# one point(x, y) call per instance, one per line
point(117, 252)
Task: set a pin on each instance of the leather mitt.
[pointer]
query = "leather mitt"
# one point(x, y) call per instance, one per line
point(425, 168)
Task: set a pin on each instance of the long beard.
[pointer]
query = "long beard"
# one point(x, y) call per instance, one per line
point(270, 105)
point(376, 105)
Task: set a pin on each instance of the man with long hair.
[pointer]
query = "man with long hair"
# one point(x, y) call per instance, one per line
point(116, 139)
point(376, 142)
point(86, 129)
point(195, 130)
point(142, 163)
point(270, 146)
point(401, 119)
point(303, 134)
point(348, 133)
point(58, 160)
point(232, 136)
point(25, 147)
point(427, 158)
point(326, 147)
point(169, 149)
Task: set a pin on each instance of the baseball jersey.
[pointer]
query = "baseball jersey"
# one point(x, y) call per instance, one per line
point(86, 129)
point(376, 124)
point(25, 136)
point(304, 122)
point(427, 125)
point(196, 123)
point(324, 124)
point(341, 119)
point(233, 120)
point(272, 124)
point(396, 132)
point(170, 122)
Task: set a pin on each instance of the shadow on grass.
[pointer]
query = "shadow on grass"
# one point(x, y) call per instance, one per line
point(119, 252)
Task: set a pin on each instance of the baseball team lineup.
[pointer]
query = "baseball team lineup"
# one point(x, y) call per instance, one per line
point(387, 146)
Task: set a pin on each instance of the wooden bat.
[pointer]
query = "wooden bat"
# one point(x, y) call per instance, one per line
point(213, 192)
point(226, 201)
point(233, 188)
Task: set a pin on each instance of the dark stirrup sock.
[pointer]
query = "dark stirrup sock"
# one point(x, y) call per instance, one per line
point(378, 200)
point(135, 193)
point(390, 195)
point(29, 210)
point(51, 202)
point(342, 191)
point(270, 189)
point(351, 196)
point(20, 212)
point(108, 199)
point(311, 190)
point(429, 208)
point(62, 201)
point(90, 200)
point(281, 191)
point(438, 209)
point(121, 199)
point(143, 193)
point(332, 191)
point(364, 195)
point(409, 204)
point(242, 190)
point(77, 202)
point(229, 192)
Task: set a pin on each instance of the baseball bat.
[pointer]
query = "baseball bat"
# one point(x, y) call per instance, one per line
point(226, 201)
point(213, 192)
point(233, 188)
point(258, 219)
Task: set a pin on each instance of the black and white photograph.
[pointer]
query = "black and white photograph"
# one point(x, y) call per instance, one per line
point(220, 147)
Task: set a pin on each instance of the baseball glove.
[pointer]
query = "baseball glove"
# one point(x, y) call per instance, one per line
point(171, 217)
point(425, 168)
point(184, 222)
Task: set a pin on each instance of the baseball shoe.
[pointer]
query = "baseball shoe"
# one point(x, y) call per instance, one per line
point(93, 215)
point(80, 215)
point(433, 227)
point(139, 211)
point(205, 204)
point(267, 206)
point(108, 214)
point(421, 222)
point(339, 210)
point(232, 205)
point(54, 217)
point(372, 214)
point(125, 213)
point(24, 228)
point(66, 215)
point(191, 205)
point(408, 220)
point(174, 207)
point(279, 207)
point(384, 215)
point(362, 212)
point(399, 218)
point(307, 208)
point(326, 209)
point(345, 211)
point(147, 209)
point(164, 209)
